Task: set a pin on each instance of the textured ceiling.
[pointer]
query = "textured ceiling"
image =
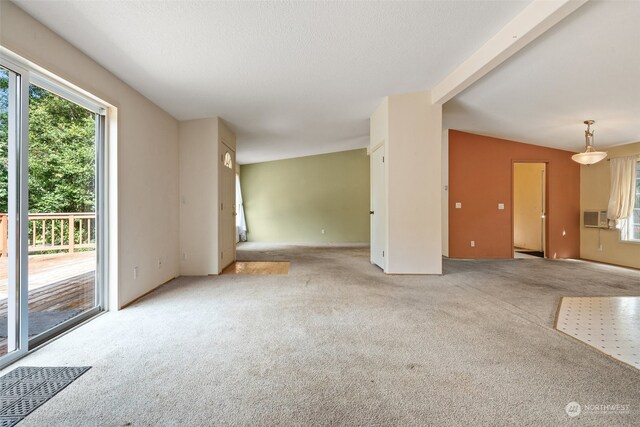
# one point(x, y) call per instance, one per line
point(586, 67)
point(292, 78)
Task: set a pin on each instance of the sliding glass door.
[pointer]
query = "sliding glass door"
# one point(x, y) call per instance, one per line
point(13, 323)
point(51, 228)
point(61, 231)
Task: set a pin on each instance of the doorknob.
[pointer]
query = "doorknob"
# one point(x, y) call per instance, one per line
point(370, 212)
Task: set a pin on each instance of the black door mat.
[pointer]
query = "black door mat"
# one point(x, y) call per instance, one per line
point(26, 388)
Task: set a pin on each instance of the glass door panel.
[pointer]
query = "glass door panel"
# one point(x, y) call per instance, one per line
point(11, 343)
point(4, 210)
point(49, 227)
point(49, 209)
point(61, 230)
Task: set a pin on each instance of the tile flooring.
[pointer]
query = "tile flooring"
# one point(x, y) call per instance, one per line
point(609, 324)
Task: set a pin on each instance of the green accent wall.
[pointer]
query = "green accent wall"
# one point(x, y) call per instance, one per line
point(293, 200)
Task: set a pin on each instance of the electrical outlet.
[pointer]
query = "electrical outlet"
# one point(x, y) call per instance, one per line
point(599, 248)
point(322, 231)
point(501, 206)
point(473, 243)
point(135, 273)
point(458, 205)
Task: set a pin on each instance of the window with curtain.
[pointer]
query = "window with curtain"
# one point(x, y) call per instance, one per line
point(241, 224)
point(631, 227)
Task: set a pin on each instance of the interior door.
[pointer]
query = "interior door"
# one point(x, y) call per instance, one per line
point(378, 205)
point(227, 221)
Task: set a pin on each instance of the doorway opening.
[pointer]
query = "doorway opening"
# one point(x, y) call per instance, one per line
point(529, 209)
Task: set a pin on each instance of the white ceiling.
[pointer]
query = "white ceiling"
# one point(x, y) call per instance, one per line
point(586, 67)
point(300, 78)
point(292, 78)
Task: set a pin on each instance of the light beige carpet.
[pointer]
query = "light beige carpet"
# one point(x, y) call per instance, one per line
point(336, 342)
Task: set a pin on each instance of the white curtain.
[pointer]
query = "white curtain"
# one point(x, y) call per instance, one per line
point(241, 224)
point(623, 188)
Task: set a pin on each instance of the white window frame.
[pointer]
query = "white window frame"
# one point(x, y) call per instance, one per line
point(627, 224)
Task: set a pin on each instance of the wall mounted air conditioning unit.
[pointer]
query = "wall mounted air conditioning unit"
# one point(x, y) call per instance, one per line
point(595, 219)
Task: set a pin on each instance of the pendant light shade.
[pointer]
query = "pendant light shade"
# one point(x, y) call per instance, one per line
point(590, 155)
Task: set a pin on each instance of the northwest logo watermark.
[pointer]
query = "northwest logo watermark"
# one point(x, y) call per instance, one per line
point(574, 409)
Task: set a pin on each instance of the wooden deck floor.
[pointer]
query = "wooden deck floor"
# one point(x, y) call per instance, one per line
point(47, 269)
point(61, 283)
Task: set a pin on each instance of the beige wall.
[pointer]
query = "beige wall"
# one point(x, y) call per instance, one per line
point(378, 140)
point(293, 200)
point(198, 197)
point(200, 193)
point(411, 127)
point(379, 124)
point(146, 209)
point(445, 192)
point(527, 205)
point(594, 194)
point(414, 184)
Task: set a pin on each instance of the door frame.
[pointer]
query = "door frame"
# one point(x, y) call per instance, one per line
point(545, 190)
point(222, 142)
point(19, 202)
point(18, 141)
point(383, 262)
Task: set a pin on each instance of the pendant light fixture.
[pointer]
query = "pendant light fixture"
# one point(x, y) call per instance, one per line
point(590, 155)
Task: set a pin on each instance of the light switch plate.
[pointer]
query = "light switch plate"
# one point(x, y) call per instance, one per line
point(458, 205)
point(501, 206)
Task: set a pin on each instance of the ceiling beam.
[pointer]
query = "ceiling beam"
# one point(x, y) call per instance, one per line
point(533, 21)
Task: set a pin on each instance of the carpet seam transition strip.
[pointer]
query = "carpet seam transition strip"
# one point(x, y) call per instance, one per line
point(26, 388)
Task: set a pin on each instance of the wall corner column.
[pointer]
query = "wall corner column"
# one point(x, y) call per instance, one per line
point(414, 184)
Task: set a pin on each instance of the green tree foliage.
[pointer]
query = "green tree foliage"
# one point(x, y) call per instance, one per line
point(4, 138)
point(61, 153)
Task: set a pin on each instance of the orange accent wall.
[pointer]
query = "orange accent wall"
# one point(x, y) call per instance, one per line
point(481, 176)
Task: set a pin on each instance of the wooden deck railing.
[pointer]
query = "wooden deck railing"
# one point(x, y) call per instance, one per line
point(63, 232)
